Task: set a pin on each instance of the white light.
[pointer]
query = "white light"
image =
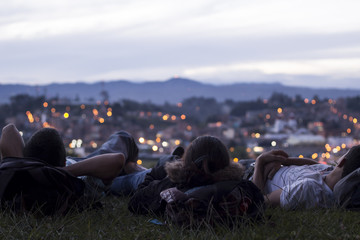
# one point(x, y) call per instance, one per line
point(165, 144)
point(258, 149)
point(273, 143)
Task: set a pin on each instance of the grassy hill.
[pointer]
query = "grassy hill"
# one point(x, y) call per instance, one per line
point(114, 221)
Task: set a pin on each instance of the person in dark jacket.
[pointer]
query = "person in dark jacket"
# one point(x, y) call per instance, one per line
point(206, 161)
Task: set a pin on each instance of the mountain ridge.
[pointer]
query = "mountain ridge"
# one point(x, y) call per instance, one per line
point(172, 90)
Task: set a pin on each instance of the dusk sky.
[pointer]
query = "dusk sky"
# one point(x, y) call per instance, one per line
point(313, 43)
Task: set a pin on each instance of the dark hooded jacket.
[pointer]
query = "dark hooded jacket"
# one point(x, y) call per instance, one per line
point(147, 199)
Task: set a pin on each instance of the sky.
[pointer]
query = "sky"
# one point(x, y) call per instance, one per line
point(314, 43)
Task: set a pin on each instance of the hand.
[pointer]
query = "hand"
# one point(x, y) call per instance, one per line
point(272, 156)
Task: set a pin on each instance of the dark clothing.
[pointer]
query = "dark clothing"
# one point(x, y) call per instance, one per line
point(146, 198)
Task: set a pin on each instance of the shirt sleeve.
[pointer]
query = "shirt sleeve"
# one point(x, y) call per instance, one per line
point(306, 193)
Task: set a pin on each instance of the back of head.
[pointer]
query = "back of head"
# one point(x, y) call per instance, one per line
point(204, 156)
point(352, 161)
point(46, 145)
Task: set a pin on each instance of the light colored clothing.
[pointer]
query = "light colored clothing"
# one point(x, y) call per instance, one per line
point(302, 186)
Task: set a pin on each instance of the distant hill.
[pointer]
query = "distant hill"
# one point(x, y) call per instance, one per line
point(172, 91)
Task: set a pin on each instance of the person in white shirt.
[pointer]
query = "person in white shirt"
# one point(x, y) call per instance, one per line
point(300, 182)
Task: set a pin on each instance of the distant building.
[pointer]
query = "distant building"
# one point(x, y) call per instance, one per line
point(305, 139)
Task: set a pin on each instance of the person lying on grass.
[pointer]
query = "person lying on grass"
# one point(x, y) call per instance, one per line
point(47, 145)
point(205, 162)
point(299, 182)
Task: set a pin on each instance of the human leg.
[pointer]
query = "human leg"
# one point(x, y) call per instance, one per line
point(127, 184)
point(11, 142)
point(119, 142)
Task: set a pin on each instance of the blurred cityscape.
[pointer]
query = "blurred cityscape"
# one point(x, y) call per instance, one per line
point(321, 129)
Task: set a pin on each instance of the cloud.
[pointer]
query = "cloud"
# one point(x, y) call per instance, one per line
point(211, 40)
point(332, 67)
point(39, 18)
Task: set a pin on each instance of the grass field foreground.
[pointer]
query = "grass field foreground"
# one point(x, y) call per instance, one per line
point(114, 221)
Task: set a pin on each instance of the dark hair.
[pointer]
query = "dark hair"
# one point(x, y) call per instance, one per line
point(352, 161)
point(204, 156)
point(46, 145)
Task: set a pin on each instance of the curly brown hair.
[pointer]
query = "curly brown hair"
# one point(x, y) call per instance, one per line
point(204, 156)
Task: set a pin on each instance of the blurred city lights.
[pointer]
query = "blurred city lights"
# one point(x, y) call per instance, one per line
point(30, 116)
point(258, 149)
point(93, 144)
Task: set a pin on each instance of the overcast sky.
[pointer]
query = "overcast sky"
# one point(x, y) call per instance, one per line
point(312, 43)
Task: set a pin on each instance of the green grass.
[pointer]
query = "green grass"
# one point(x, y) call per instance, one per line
point(114, 221)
